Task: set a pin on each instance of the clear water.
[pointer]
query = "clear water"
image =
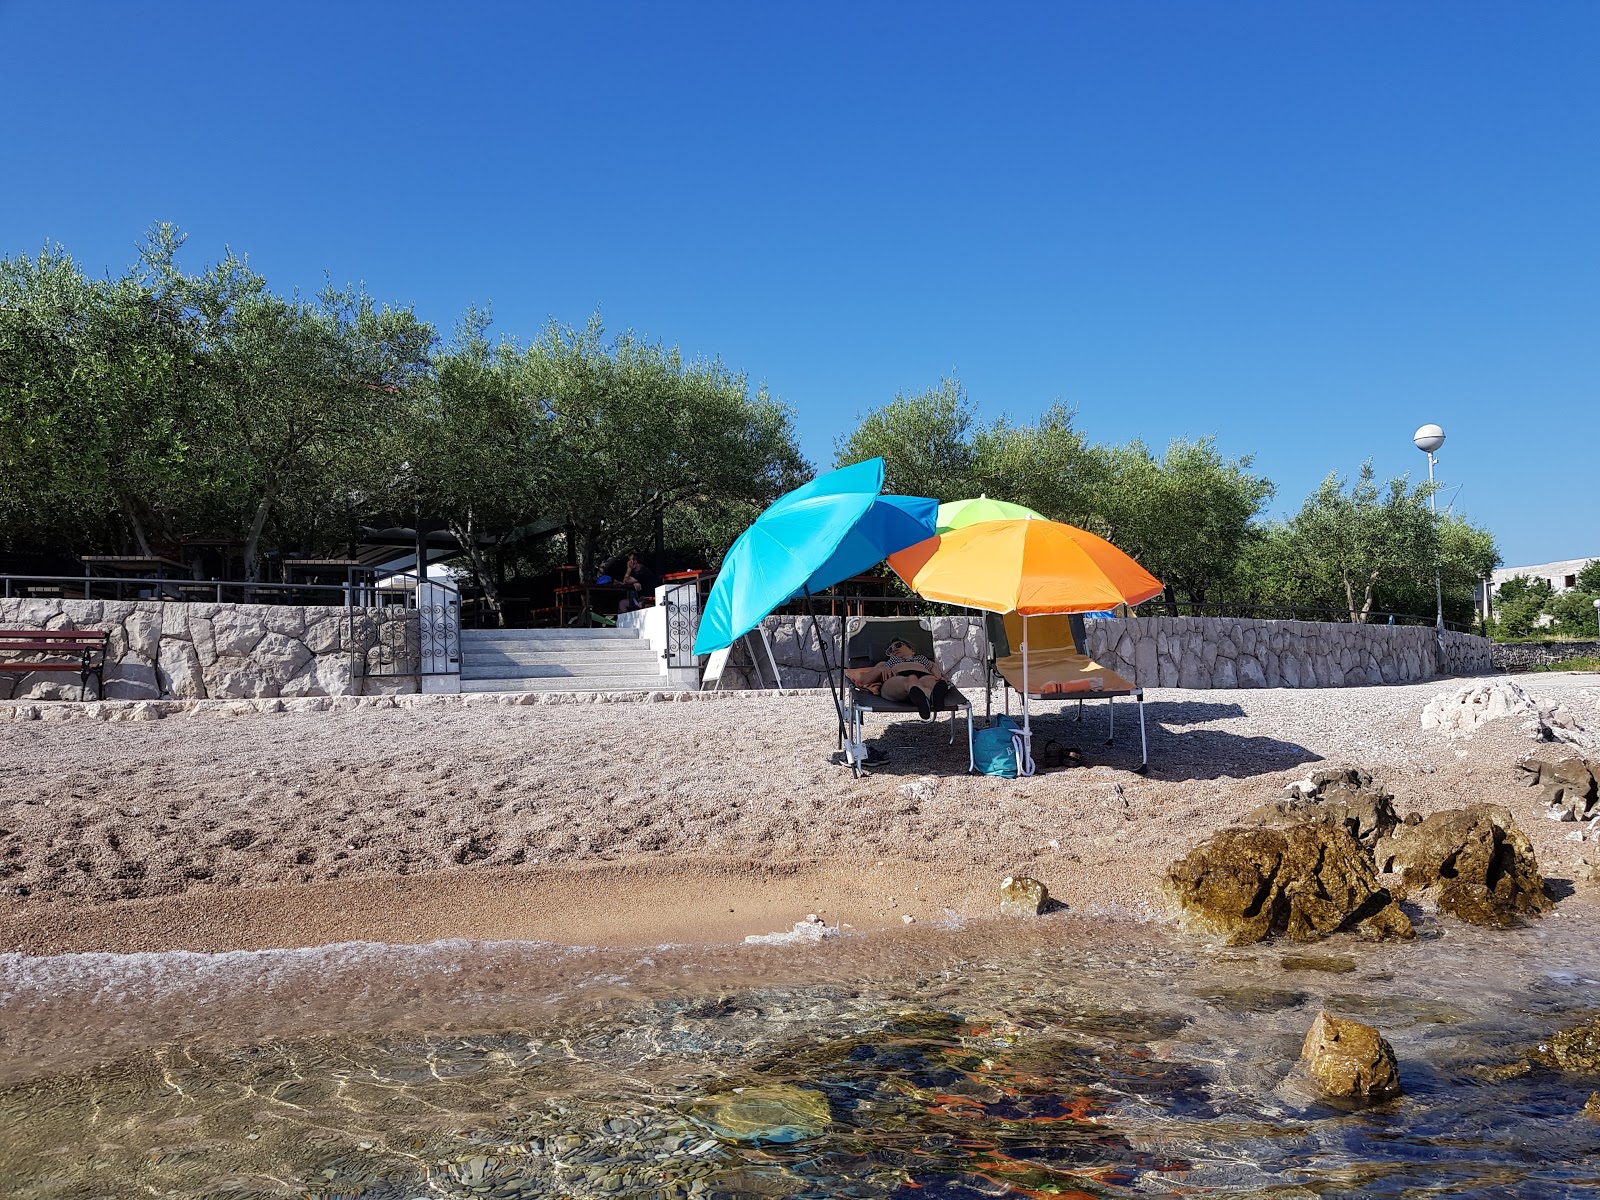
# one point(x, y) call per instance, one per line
point(1062, 1058)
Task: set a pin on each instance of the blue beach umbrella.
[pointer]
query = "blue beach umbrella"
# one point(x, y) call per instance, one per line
point(824, 531)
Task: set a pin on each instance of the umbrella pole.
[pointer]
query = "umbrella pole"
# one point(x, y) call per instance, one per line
point(1027, 724)
point(816, 626)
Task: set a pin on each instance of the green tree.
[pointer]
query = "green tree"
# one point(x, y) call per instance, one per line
point(924, 441)
point(295, 397)
point(1519, 603)
point(471, 451)
point(632, 431)
point(94, 413)
point(1356, 540)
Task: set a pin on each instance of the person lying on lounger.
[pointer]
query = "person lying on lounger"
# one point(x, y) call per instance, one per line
point(905, 677)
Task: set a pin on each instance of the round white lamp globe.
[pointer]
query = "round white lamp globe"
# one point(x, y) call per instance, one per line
point(1429, 438)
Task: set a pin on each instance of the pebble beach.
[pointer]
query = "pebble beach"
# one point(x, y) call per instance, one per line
point(636, 823)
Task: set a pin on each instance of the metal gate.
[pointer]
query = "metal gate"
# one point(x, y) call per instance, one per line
point(439, 629)
point(683, 623)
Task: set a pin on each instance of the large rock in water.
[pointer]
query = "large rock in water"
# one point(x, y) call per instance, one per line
point(773, 1113)
point(1304, 881)
point(1344, 796)
point(1479, 865)
point(1576, 1049)
point(1347, 1062)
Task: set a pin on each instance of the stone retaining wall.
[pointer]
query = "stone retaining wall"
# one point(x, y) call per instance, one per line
point(222, 651)
point(1522, 656)
point(1185, 652)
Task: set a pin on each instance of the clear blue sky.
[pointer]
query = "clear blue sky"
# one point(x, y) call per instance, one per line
point(1304, 228)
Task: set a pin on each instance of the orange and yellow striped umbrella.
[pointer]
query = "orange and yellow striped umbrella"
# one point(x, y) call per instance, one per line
point(1027, 567)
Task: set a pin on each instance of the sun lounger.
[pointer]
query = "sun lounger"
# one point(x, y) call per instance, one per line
point(1058, 669)
point(866, 645)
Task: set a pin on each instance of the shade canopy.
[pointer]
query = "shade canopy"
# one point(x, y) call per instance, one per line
point(957, 514)
point(1028, 567)
point(821, 533)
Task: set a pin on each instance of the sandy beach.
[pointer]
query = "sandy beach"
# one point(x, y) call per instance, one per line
point(641, 823)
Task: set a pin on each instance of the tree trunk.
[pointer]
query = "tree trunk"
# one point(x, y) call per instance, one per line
point(464, 534)
point(131, 514)
point(1350, 600)
point(252, 541)
point(589, 554)
point(1169, 597)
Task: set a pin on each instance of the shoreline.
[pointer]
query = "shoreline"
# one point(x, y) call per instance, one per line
point(618, 905)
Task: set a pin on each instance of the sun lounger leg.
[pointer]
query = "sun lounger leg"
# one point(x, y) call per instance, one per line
point(952, 727)
point(1144, 750)
point(1111, 707)
point(972, 756)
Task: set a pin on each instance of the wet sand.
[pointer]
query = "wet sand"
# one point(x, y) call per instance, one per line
point(638, 824)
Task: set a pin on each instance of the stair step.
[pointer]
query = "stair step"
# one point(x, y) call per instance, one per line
point(572, 669)
point(546, 649)
point(596, 683)
point(547, 635)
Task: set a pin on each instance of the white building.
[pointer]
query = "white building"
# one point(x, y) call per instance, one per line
point(1561, 576)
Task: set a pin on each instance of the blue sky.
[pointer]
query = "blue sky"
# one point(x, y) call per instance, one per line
point(1303, 228)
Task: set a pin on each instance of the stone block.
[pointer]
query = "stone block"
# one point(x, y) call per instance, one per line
point(178, 671)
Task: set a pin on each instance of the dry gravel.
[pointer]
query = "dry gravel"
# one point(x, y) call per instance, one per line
point(200, 806)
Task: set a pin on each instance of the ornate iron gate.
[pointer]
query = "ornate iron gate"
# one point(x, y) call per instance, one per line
point(683, 622)
point(439, 629)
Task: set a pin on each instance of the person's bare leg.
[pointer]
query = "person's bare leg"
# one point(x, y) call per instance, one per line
point(897, 688)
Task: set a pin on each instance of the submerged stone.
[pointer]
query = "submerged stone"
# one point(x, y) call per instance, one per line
point(772, 1113)
point(1347, 1062)
point(1576, 1049)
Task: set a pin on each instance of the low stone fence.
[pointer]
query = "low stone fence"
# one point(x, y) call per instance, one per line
point(1524, 656)
point(1182, 652)
point(223, 651)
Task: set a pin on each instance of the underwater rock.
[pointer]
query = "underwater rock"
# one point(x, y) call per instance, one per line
point(1304, 881)
point(771, 1113)
point(1347, 1062)
point(1343, 796)
point(1476, 860)
point(1022, 896)
point(1576, 1049)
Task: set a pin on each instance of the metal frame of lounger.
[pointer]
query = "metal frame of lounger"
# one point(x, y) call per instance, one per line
point(1136, 691)
point(863, 702)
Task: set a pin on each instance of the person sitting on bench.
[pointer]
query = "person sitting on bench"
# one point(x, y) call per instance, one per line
point(905, 677)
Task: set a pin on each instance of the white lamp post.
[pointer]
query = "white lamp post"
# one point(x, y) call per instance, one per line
point(1597, 616)
point(1428, 439)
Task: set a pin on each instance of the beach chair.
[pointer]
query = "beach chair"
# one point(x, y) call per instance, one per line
point(1058, 669)
point(866, 641)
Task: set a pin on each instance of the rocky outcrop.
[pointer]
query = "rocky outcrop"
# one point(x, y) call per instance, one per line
point(1022, 896)
point(1304, 881)
point(1342, 796)
point(1467, 709)
point(1474, 861)
point(170, 651)
point(1347, 1063)
point(1567, 785)
point(1576, 1049)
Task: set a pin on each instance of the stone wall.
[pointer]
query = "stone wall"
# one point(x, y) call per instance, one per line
point(1523, 656)
point(223, 651)
point(1186, 652)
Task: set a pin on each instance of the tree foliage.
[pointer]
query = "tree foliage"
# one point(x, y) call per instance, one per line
point(137, 410)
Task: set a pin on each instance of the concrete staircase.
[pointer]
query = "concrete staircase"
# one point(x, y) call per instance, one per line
point(558, 660)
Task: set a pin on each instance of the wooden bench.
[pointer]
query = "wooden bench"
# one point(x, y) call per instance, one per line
point(80, 650)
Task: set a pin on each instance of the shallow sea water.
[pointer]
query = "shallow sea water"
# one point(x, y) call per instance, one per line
point(1063, 1058)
